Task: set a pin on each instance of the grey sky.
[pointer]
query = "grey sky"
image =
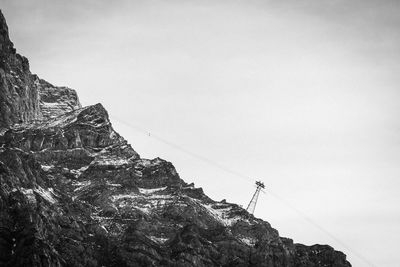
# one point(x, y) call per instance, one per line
point(300, 94)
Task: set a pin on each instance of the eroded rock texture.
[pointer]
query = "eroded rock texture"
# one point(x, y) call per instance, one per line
point(19, 98)
point(74, 193)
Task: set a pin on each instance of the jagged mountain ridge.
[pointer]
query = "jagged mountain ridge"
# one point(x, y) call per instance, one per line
point(75, 193)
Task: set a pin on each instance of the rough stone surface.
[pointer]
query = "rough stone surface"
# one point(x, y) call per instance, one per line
point(73, 192)
point(19, 97)
point(55, 101)
point(24, 97)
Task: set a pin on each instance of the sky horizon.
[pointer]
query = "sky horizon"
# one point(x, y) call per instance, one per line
point(301, 95)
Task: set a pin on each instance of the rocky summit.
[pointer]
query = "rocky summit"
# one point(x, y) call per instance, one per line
point(73, 192)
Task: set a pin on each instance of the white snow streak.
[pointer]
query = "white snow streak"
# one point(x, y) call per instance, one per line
point(47, 167)
point(45, 194)
point(147, 191)
point(81, 185)
point(160, 240)
point(248, 241)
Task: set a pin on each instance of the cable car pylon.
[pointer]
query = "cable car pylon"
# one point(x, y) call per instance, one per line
point(253, 202)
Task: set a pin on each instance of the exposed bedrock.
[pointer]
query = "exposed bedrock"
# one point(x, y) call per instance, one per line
point(74, 192)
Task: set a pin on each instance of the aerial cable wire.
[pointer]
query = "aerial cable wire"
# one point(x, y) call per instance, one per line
point(246, 178)
point(319, 227)
point(185, 151)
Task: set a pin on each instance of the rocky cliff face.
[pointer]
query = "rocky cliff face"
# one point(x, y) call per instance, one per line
point(73, 192)
point(19, 98)
point(24, 97)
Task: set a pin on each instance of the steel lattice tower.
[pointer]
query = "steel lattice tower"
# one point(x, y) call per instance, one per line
point(252, 205)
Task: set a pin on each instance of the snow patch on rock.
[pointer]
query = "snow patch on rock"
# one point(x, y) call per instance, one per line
point(110, 160)
point(47, 167)
point(114, 185)
point(248, 241)
point(220, 214)
point(141, 202)
point(46, 194)
point(159, 240)
point(148, 191)
point(81, 185)
point(78, 172)
point(29, 195)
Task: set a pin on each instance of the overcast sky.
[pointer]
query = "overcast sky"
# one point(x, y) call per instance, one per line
point(303, 95)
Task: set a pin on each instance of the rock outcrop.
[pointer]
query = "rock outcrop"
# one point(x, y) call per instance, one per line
point(73, 192)
point(55, 101)
point(19, 98)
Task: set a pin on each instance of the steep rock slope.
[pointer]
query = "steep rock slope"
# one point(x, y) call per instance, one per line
point(24, 97)
point(73, 192)
point(19, 98)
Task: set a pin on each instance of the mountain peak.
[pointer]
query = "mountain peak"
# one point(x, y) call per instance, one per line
point(24, 97)
point(6, 46)
point(74, 192)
